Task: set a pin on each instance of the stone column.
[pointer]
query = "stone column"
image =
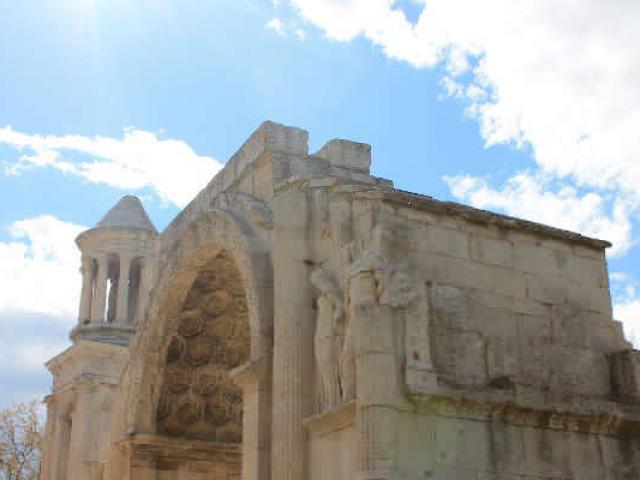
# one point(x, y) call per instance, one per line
point(60, 448)
point(255, 380)
point(97, 309)
point(81, 438)
point(122, 303)
point(145, 280)
point(85, 296)
point(377, 380)
point(293, 333)
point(46, 467)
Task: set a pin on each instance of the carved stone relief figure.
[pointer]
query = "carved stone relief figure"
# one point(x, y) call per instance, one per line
point(328, 337)
point(376, 277)
point(198, 398)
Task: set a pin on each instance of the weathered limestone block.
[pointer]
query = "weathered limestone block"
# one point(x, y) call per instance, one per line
point(594, 299)
point(347, 154)
point(587, 272)
point(604, 334)
point(500, 331)
point(581, 371)
point(538, 260)
point(460, 356)
point(625, 375)
point(492, 251)
point(568, 324)
point(447, 241)
point(534, 349)
point(548, 290)
point(334, 436)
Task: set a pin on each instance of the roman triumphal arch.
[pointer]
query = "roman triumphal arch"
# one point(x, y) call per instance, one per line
point(301, 319)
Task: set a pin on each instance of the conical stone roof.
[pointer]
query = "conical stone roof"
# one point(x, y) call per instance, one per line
point(127, 213)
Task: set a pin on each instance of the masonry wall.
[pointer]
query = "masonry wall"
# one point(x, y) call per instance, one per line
point(334, 454)
point(513, 305)
point(521, 332)
point(459, 448)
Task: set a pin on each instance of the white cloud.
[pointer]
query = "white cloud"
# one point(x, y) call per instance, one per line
point(276, 25)
point(300, 33)
point(139, 159)
point(374, 19)
point(627, 311)
point(39, 271)
point(530, 197)
point(33, 355)
point(561, 77)
point(39, 294)
point(626, 305)
point(30, 339)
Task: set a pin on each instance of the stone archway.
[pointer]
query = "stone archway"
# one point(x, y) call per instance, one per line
point(190, 360)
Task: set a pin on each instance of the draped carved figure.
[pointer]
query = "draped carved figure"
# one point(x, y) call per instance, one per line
point(329, 337)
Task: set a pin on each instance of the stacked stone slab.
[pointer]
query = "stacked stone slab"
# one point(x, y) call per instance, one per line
point(363, 332)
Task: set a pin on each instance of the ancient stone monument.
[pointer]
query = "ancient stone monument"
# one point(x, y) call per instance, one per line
point(301, 319)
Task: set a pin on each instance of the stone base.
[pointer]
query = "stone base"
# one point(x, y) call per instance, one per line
point(103, 333)
point(191, 458)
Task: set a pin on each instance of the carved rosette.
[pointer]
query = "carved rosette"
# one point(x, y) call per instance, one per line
point(198, 398)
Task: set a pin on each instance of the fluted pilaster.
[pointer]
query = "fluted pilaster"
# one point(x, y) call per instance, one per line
point(85, 296)
point(122, 305)
point(99, 301)
point(293, 344)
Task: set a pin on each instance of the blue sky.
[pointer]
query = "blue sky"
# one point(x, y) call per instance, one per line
point(531, 110)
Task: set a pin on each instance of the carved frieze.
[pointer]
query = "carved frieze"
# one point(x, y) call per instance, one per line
point(165, 404)
point(191, 323)
point(188, 409)
point(198, 398)
point(175, 349)
point(178, 377)
point(210, 380)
